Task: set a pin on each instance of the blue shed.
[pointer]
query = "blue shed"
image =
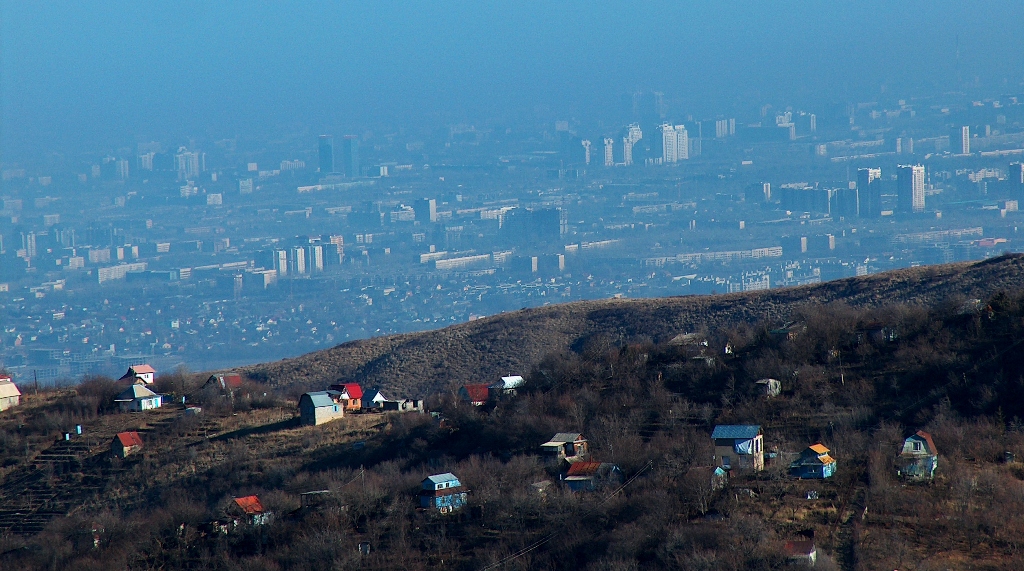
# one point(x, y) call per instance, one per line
point(814, 462)
point(442, 492)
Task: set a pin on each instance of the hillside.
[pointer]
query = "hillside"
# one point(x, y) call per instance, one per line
point(420, 364)
point(857, 375)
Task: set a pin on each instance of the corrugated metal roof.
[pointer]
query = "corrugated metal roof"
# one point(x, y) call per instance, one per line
point(135, 392)
point(446, 477)
point(583, 469)
point(819, 448)
point(354, 390)
point(736, 431)
point(826, 459)
point(251, 505)
point(320, 399)
point(566, 437)
point(928, 440)
point(139, 369)
point(477, 393)
point(129, 439)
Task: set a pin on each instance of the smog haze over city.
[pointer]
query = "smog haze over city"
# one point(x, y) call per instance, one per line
point(219, 184)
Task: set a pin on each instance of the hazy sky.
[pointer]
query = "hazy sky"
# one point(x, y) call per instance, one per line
point(84, 75)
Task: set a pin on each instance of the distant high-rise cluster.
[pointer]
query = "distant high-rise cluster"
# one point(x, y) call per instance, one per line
point(189, 164)
point(675, 144)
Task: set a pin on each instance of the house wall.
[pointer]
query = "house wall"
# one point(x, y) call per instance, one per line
point(8, 402)
point(753, 461)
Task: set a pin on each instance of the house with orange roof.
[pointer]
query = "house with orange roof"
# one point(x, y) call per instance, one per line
point(252, 509)
point(814, 462)
point(586, 476)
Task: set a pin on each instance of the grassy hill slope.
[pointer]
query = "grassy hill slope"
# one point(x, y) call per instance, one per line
point(419, 364)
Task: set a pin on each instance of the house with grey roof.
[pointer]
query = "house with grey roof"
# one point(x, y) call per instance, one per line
point(568, 446)
point(138, 398)
point(739, 447)
point(316, 408)
point(443, 493)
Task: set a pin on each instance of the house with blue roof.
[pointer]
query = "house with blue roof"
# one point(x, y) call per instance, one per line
point(739, 447)
point(316, 408)
point(443, 493)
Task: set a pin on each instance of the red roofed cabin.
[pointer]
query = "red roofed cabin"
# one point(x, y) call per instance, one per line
point(252, 508)
point(125, 444)
point(140, 373)
point(227, 383)
point(351, 395)
point(476, 395)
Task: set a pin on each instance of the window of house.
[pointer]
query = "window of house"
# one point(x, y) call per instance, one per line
point(917, 447)
point(726, 462)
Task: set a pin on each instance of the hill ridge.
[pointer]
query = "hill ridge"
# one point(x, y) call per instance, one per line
point(418, 364)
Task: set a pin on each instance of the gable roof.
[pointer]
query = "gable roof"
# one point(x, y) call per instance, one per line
point(7, 388)
point(567, 437)
point(129, 439)
point(251, 505)
point(374, 395)
point(439, 478)
point(354, 390)
point(583, 469)
point(736, 431)
point(135, 392)
point(798, 548)
point(509, 382)
point(319, 398)
point(139, 369)
point(477, 393)
point(230, 381)
point(928, 440)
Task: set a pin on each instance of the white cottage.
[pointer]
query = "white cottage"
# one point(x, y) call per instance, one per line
point(138, 398)
point(9, 393)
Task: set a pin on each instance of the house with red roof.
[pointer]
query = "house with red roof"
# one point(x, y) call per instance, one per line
point(140, 374)
point(586, 476)
point(227, 382)
point(919, 457)
point(348, 394)
point(251, 508)
point(476, 395)
point(126, 444)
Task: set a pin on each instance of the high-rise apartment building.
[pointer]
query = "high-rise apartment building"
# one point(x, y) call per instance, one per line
point(960, 141)
point(609, 151)
point(425, 210)
point(1016, 175)
point(675, 143)
point(586, 150)
point(189, 164)
point(350, 156)
point(633, 136)
point(910, 188)
point(869, 193)
point(326, 151)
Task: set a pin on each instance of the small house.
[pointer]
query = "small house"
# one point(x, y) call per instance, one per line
point(373, 398)
point(226, 383)
point(802, 552)
point(125, 444)
point(251, 508)
point(770, 387)
point(318, 407)
point(143, 373)
point(586, 476)
point(443, 493)
point(9, 393)
point(404, 405)
point(569, 446)
point(814, 462)
point(350, 395)
point(507, 386)
point(476, 395)
point(739, 447)
point(919, 457)
point(138, 398)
